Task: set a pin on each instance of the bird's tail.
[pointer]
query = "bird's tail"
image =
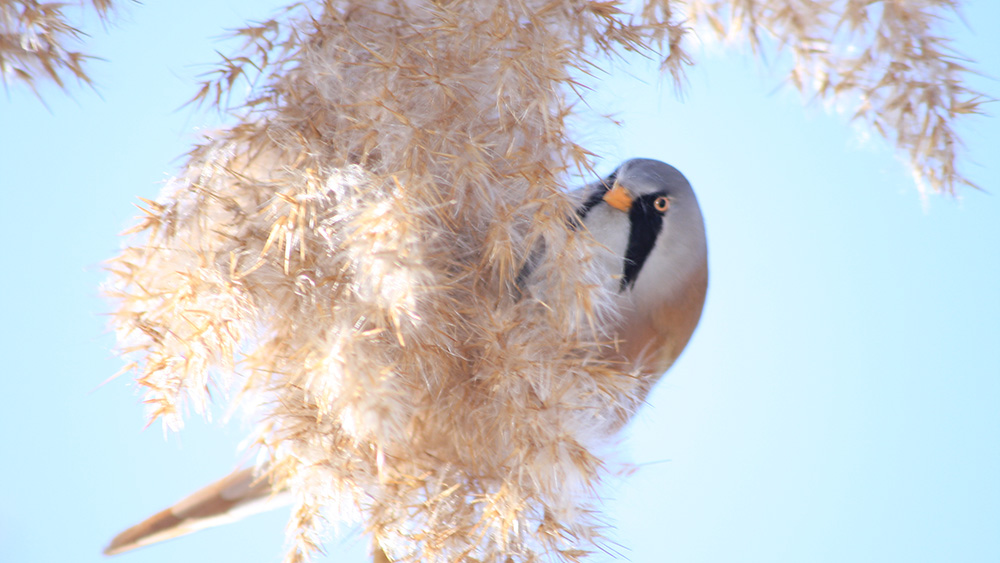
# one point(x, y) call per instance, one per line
point(236, 496)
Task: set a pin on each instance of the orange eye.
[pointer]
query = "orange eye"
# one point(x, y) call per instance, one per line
point(661, 204)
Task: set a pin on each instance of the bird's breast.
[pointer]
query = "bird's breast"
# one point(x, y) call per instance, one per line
point(651, 334)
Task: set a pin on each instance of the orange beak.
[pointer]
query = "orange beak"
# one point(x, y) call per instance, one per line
point(619, 198)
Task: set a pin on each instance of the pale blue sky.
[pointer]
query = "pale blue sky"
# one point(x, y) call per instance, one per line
point(839, 402)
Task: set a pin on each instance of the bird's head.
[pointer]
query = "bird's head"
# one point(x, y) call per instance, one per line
point(647, 215)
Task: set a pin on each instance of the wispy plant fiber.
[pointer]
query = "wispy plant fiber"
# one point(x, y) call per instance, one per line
point(37, 41)
point(346, 259)
point(347, 255)
point(888, 60)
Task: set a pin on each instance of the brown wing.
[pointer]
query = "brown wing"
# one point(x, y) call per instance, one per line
point(231, 498)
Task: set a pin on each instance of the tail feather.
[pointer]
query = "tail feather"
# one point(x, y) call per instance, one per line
point(236, 496)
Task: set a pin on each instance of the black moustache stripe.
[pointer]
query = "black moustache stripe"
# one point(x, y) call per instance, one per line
point(646, 223)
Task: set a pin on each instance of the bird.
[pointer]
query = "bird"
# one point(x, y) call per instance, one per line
point(647, 217)
point(648, 222)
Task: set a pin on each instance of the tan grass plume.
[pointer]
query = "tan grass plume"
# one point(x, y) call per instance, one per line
point(345, 257)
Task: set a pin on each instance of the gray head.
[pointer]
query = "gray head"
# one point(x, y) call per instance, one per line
point(643, 209)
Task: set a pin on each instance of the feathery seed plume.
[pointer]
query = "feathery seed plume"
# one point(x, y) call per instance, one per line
point(346, 256)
